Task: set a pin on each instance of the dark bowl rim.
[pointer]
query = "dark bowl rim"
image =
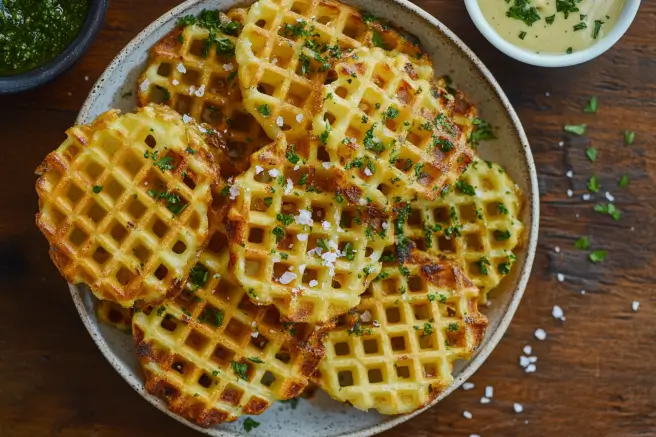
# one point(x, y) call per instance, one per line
point(63, 61)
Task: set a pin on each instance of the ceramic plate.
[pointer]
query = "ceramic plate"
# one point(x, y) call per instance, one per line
point(321, 415)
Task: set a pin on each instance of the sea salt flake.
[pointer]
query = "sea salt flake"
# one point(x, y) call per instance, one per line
point(325, 225)
point(467, 414)
point(299, 118)
point(289, 187)
point(528, 349)
point(326, 165)
point(313, 283)
point(279, 121)
point(181, 68)
point(533, 359)
point(585, 196)
point(274, 172)
point(610, 197)
point(175, 82)
point(518, 408)
point(523, 361)
point(143, 86)
point(485, 400)
point(258, 169)
point(558, 313)
point(287, 277)
point(304, 217)
point(557, 249)
point(560, 277)
point(228, 67)
point(301, 269)
point(365, 316)
point(635, 305)
point(234, 192)
point(302, 237)
point(569, 173)
point(201, 91)
point(531, 368)
point(561, 143)
point(540, 334)
point(368, 172)
point(186, 118)
point(570, 193)
point(468, 386)
point(489, 391)
point(376, 323)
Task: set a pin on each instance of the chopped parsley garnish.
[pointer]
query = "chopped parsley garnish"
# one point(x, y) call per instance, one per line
point(250, 424)
point(358, 330)
point(418, 168)
point(592, 106)
point(624, 181)
point(482, 131)
point(348, 251)
point(173, 201)
point(428, 234)
point(391, 113)
point(255, 360)
point(224, 191)
point(567, 6)
point(198, 276)
point(305, 63)
point(371, 143)
point(483, 264)
point(609, 209)
point(323, 244)
point(550, 19)
point(264, 110)
point(597, 28)
point(303, 179)
point(465, 188)
point(97, 188)
point(593, 184)
point(591, 152)
point(285, 219)
point(381, 276)
point(377, 40)
point(576, 129)
point(441, 121)
point(240, 369)
point(427, 329)
point(597, 256)
point(211, 316)
point(453, 326)
point(502, 235)
point(279, 233)
point(223, 45)
point(445, 145)
point(165, 163)
point(580, 26)
point(502, 208)
point(167, 94)
point(268, 201)
point(523, 10)
point(582, 243)
point(161, 310)
point(522, 35)
point(629, 137)
point(296, 30)
point(190, 151)
point(292, 156)
point(504, 267)
point(339, 198)
point(569, 50)
point(325, 134)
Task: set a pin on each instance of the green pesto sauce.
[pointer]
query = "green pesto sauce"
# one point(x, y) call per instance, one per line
point(32, 32)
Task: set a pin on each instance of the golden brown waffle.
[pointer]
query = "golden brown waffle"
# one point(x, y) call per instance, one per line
point(395, 351)
point(286, 53)
point(476, 223)
point(114, 315)
point(203, 83)
point(213, 356)
point(380, 110)
point(297, 240)
point(124, 203)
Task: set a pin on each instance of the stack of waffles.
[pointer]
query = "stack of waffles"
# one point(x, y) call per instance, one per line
point(297, 199)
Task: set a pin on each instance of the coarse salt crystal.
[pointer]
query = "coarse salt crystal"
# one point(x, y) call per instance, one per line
point(181, 68)
point(523, 361)
point(258, 169)
point(86, 78)
point(468, 385)
point(635, 305)
point(376, 323)
point(533, 359)
point(367, 171)
point(313, 283)
point(561, 143)
point(570, 193)
point(518, 408)
point(560, 277)
point(489, 391)
point(274, 61)
point(531, 368)
point(586, 196)
point(274, 172)
point(366, 316)
point(485, 400)
point(557, 249)
point(175, 82)
point(610, 197)
point(201, 91)
point(528, 349)
point(326, 165)
point(479, 193)
point(143, 86)
point(548, 94)
point(325, 224)
point(467, 414)
point(228, 67)
point(302, 237)
point(287, 277)
point(540, 334)
point(299, 118)
point(304, 217)
point(255, 334)
point(301, 268)
point(557, 313)
point(280, 121)
point(362, 201)
point(186, 118)
point(569, 173)
point(290, 186)
point(582, 292)
point(234, 192)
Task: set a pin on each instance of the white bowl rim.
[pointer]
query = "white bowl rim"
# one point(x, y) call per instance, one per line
point(550, 60)
point(492, 338)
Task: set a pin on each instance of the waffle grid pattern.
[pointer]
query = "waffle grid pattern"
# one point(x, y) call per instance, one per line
point(213, 355)
point(123, 241)
point(395, 352)
point(205, 88)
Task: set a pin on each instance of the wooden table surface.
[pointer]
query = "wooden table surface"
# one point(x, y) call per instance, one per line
point(596, 371)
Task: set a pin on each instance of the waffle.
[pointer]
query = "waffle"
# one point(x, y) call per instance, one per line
point(395, 351)
point(477, 224)
point(204, 84)
point(114, 315)
point(124, 203)
point(297, 240)
point(380, 109)
point(213, 356)
point(288, 48)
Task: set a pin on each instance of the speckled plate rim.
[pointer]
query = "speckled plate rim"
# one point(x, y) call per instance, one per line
point(530, 246)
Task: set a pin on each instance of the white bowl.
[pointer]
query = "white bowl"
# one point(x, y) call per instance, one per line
point(550, 60)
point(322, 416)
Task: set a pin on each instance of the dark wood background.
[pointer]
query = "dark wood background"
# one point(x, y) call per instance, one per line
point(596, 372)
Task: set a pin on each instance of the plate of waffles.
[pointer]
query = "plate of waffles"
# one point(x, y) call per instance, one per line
point(286, 215)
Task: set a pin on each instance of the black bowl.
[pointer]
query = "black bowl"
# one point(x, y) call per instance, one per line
point(64, 60)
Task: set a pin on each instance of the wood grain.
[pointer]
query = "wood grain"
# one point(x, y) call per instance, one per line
point(596, 372)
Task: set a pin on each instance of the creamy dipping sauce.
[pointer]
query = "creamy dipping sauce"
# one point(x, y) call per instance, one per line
point(552, 26)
